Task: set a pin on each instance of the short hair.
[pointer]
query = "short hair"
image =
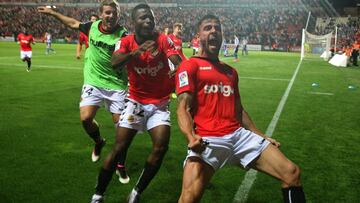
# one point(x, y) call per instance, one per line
point(112, 3)
point(207, 17)
point(94, 15)
point(138, 7)
point(177, 25)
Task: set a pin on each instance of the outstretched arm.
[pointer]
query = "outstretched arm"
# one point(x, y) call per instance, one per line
point(70, 22)
point(185, 121)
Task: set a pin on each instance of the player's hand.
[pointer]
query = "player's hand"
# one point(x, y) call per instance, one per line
point(148, 45)
point(273, 142)
point(197, 144)
point(44, 9)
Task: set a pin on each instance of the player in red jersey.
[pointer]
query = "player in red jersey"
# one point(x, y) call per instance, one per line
point(25, 40)
point(145, 56)
point(218, 129)
point(195, 44)
point(83, 38)
point(176, 38)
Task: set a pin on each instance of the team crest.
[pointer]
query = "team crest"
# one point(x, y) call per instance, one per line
point(131, 119)
point(118, 45)
point(183, 79)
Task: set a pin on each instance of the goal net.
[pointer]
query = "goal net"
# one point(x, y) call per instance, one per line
point(315, 47)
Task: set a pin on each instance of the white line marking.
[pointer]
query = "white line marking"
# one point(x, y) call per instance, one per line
point(8, 65)
point(260, 78)
point(243, 190)
point(322, 93)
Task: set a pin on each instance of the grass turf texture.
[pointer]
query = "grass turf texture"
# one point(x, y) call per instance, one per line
point(46, 153)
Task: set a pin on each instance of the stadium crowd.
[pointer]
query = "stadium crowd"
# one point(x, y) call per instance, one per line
point(272, 25)
point(265, 26)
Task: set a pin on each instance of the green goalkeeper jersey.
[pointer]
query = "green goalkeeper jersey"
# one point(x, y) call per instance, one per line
point(98, 70)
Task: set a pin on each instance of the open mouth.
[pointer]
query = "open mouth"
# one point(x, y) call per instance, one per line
point(213, 42)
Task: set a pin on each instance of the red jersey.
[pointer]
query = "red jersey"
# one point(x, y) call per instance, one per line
point(149, 80)
point(25, 41)
point(214, 86)
point(178, 45)
point(195, 43)
point(83, 39)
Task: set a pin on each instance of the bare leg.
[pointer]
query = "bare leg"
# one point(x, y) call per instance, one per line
point(197, 175)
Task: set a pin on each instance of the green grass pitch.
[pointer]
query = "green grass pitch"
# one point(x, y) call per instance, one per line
point(46, 155)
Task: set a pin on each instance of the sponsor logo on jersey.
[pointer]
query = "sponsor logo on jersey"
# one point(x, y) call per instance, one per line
point(205, 68)
point(183, 79)
point(103, 45)
point(149, 70)
point(226, 90)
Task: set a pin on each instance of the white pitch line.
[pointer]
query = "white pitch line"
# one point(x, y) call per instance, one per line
point(38, 66)
point(322, 93)
point(243, 190)
point(260, 78)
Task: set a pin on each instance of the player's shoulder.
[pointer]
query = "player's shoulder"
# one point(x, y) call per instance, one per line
point(128, 37)
point(228, 67)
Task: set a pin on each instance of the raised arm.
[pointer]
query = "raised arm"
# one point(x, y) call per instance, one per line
point(70, 22)
point(186, 124)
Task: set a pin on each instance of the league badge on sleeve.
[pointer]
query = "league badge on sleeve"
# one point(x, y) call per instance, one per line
point(118, 45)
point(183, 79)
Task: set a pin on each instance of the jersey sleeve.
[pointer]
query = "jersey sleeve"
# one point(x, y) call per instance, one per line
point(185, 78)
point(85, 27)
point(122, 46)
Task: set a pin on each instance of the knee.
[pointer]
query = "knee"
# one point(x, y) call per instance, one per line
point(159, 152)
point(291, 175)
point(187, 196)
point(86, 117)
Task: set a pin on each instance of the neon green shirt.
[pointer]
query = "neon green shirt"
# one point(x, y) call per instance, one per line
point(98, 70)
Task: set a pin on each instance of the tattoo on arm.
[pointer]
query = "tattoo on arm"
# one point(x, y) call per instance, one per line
point(187, 98)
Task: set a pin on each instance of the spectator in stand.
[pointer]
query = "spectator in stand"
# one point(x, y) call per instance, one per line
point(355, 53)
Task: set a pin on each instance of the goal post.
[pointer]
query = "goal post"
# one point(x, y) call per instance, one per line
point(316, 46)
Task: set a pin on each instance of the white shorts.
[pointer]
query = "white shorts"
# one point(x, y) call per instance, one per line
point(143, 117)
point(239, 148)
point(196, 49)
point(24, 54)
point(95, 96)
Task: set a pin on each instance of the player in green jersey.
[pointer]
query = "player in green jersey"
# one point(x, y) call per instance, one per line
point(101, 83)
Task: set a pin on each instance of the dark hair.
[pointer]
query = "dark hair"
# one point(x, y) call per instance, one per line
point(94, 15)
point(138, 7)
point(207, 17)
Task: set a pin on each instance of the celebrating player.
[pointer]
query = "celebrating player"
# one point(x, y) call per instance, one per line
point(176, 38)
point(145, 56)
point(101, 82)
point(217, 127)
point(25, 40)
point(195, 44)
point(83, 38)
